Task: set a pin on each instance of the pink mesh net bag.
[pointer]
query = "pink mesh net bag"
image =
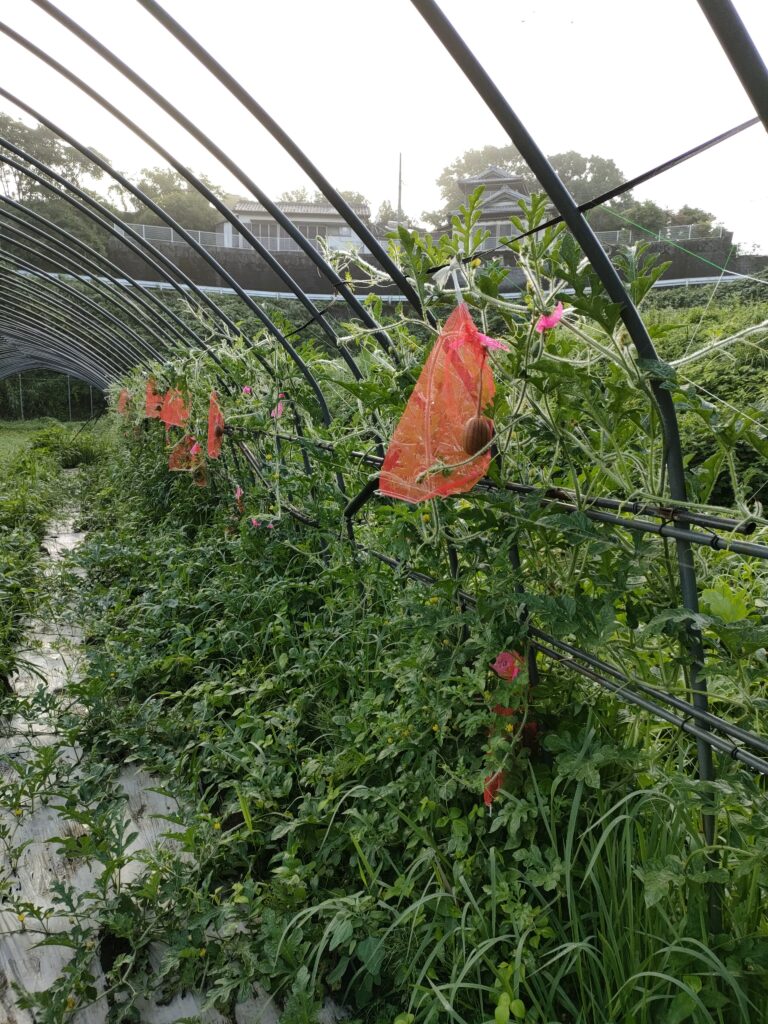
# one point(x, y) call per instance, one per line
point(174, 412)
point(215, 427)
point(441, 444)
point(154, 402)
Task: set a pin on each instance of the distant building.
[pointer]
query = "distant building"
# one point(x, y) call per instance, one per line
point(315, 220)
point(500, 200)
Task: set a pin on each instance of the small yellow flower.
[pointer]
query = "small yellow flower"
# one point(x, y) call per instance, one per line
point(425, 517)
point(21, 916)
point(17, 811)
point(216, 826)
point(202, 951)
point(509, 728)
point(476, 262)
point(435, 727)
point(71, 1002)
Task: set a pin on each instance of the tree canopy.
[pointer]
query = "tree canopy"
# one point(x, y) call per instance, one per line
point(586, 177)
point(177, 197)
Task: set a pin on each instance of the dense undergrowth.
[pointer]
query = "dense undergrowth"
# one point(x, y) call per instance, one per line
point(333, 730)
point(30, 493)
point(326, 729)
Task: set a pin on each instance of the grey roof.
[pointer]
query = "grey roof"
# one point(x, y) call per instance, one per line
point(323, 209)
point(493, 173)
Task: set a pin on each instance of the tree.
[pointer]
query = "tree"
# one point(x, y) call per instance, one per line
point(648, 215)
point(586, 177)
point(177, 197)
point(693, 215)
point(387, 216)
point(354, 198)
point(43, 144)
point(296, 195)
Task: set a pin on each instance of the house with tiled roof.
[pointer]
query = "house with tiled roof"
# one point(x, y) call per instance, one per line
point(503, 192)
point(318, 221)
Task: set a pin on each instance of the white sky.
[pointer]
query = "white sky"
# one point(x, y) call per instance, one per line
point(355, 82)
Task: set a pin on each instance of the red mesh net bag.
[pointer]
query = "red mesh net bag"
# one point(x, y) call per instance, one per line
point(174, 412)
point(122, 402)
point(154, 402)
point(443, 425)
point(215, 427)
point(185, 456)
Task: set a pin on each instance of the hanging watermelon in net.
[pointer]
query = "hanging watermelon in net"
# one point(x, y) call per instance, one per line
point(154, 403)
point(186, 456)
point(174, 412)
point(215, 427)
point(441, 445)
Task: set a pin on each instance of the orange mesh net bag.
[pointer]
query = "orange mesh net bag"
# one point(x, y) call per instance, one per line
point(174, 412)
point(154, 402)
point(185, 456)
point(122, 402)
point(443, 426)
point(215, 427)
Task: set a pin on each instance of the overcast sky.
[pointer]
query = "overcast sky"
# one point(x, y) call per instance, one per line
point(356, 82)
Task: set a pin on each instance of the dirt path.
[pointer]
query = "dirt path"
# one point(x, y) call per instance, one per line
point(38, 766)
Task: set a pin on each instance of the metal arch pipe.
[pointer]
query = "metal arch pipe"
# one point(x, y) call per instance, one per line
point(584, 235)
point(64, 278)
point(741, 51)
point(21, 298)
point(200, 186)
point(58, 296)
point(126, 234)
point(189, 126)
point(29, 330)
point(199, 249)
point(18, 362)
point(39, 364)
point(52, 311)
point(87, 262)
point(101, 313)
point(256, 110)
point(61, 344)
point(88, 207)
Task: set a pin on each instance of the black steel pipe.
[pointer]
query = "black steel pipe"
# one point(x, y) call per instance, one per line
point(43, 314)
point(286, 142)
point(124, 232)
point(741, 51)
point(135, 341)
point(88, 260)
point(99, 161)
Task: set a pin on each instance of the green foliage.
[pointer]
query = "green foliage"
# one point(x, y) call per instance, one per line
point(327, 722)
point(169, 190)
point(69, 448)
point(586, 177)
point(37, 393)
point(29, 493)
point(43, 144)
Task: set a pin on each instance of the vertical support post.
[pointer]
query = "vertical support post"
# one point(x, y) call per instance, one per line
point(21, 399)
point(69, 396)
point(90, 398)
